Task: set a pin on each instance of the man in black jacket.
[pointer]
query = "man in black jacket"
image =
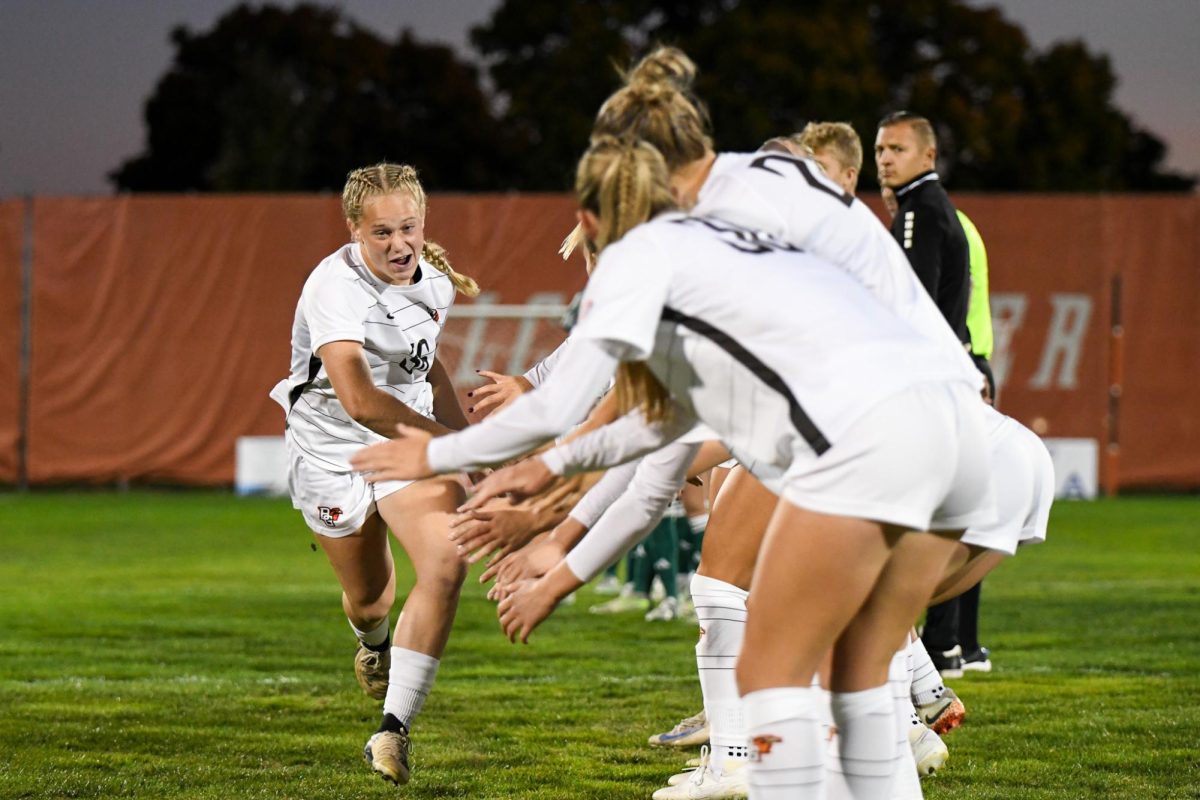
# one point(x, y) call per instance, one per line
point(926, 225)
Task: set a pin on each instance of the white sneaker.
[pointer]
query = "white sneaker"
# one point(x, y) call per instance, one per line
point(609, 584)
point(929, 751)
point(665, 611)
point(627, 600)
point(688, 733)
point(706, 784)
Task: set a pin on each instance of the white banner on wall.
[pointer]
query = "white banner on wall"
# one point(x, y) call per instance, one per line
point(1076, 468)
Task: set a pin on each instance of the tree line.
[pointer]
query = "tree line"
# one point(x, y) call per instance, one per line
point(275, 99)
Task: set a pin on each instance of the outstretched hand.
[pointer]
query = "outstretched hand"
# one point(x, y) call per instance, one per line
point(400, 459)
point(527, 603)
point(520, 480)
point(497, 529)
point(532, 561)
point(502, 391)
point(526, 606)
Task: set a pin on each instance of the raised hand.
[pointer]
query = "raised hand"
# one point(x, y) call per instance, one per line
point(492, 397)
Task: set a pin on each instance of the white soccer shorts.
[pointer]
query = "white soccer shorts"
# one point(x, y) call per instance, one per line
point(334, 504)
point(918, 459)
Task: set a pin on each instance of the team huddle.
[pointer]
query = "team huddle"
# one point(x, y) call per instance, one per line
point(746, 319)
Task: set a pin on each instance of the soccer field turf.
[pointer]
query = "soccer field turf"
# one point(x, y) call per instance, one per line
point(191, 645)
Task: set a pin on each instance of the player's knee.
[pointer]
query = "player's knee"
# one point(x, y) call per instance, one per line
point(442, 572)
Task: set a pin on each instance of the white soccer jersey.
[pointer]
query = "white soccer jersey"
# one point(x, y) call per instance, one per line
point(760, 341)
point(398, 327)
point(792, 199)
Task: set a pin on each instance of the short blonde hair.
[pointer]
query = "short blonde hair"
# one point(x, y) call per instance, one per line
point(838, 138)
point(385, 178)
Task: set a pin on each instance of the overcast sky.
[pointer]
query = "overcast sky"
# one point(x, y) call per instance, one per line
point(74, 74)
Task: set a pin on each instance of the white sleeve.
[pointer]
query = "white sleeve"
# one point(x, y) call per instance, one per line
point(624, 298)
point(332, 311)
point(622, 440)
point(537, 374)
point(606, 491)
point(657, 480)
point(563, 400)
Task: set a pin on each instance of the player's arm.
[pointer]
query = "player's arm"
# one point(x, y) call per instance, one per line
point(564, 399)
point(446, 408)
point(631, 516)
point(368, 405)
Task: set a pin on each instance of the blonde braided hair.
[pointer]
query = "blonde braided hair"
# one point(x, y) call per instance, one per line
point(625, 183)
point(385, 178)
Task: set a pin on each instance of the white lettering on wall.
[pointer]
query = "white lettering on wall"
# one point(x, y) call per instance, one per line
point(1059, 368)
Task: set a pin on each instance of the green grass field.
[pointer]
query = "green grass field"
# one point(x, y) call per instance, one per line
point(191, 645)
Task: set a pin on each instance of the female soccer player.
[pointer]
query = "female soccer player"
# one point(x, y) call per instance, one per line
point(858, 423)
point(364, 358)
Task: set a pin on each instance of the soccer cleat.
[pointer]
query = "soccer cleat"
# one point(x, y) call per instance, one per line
point(688, 733)
point(371, 670)
point(665, 611)
point(948, 663)
point(977, 660)
point(609, 584)
point(387, 753)
point(627, 600)
point(943, 715)
point(707, 784)
point(929, 751)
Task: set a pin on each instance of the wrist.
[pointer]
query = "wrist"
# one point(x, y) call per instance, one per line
point(554, 461)
point(561, 581)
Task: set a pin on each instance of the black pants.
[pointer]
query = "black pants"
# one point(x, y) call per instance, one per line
point(954, 622)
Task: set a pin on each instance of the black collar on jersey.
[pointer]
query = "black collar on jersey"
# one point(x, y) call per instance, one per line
point(924, 177)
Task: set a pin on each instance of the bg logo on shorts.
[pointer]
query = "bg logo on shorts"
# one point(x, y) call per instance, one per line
point(329, 515)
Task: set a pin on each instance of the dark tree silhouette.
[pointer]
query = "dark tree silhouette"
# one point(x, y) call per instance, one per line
point(291, 100)
point(1009, 117)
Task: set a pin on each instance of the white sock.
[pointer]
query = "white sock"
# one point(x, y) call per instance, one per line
point(374, 637)
point(698, 523)
point(409, 681)
point(927, 686)
point(721, 610)
point(899, 675)
point(907, 784)
point(866, 723)
point(785, 735)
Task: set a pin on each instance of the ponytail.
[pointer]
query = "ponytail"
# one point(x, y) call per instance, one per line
point(435, 254)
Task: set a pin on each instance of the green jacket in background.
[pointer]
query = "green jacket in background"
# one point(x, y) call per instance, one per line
point(979, 312)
